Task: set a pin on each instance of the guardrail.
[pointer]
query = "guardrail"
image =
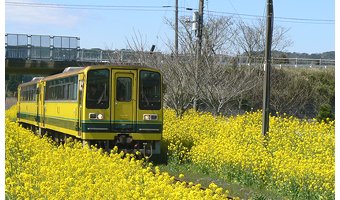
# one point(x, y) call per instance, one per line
point(276, 61)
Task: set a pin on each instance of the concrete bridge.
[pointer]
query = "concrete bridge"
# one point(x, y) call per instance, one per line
point(45, 55)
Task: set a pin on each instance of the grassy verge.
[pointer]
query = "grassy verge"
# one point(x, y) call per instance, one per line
point(192, 173)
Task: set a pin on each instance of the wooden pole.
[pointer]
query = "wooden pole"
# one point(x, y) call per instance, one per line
point(267, 68)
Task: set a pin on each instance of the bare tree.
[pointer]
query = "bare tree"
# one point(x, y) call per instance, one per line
point(221, 83)
point(247, 39)
point(250, 38)
point(179, 73)
point(217, 83)
point(225, 84)
point(218, 34)
point(139, 50)
point(280, 40)
point(178, 93)
point(291, 91)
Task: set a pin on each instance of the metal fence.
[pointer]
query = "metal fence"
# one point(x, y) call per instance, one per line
point(41, 47)
point(276, 61)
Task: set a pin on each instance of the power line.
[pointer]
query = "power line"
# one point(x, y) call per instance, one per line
point(282, 19)
point(83, 6)
point(87, 7)
point(165, 8)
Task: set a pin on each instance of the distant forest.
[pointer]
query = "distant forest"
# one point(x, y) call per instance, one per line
point(324, 55)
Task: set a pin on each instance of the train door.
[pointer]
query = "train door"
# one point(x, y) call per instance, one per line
point(18, 103)
point(42, 104)
point(80, 104)
point(124, 101)
point(38, 100)
point(42, 107)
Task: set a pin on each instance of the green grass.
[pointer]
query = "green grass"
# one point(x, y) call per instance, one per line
point(204, 177)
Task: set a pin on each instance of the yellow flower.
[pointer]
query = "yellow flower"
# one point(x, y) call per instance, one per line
point(181, 176)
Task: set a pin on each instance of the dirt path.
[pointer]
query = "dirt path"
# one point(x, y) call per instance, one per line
point(10, 101)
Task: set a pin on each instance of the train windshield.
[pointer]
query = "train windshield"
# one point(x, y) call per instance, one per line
point(150, 90)
point(97, 91)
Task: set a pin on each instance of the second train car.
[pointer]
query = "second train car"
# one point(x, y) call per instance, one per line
point(106, 105)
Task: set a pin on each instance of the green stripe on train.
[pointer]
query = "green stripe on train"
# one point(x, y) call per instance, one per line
point(60, 122)
point(28, 116)
point(121, 127)
point(98, 126)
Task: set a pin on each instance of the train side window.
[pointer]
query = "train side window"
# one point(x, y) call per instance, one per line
point(28, 93)
point(64, 89)
point(123, 89)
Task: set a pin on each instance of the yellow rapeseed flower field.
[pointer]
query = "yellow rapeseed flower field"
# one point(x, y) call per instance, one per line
point(297, 157)
point(37, 169)
point(11, 113)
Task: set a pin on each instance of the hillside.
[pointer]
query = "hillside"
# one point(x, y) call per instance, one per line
point(324, 55)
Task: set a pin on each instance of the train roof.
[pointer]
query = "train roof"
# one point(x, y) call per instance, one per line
point(69, 71)
point(122, 66)
point(33, 81)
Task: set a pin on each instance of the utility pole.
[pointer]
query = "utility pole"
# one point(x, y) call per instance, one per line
point(267, 68)
point(200, 27)
point(198, 49)
point(176, 29)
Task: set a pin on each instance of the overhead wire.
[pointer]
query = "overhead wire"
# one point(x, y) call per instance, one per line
point(167, 8)
point(87, 7)
point(283, 19)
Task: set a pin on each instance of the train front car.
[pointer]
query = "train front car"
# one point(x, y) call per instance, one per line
point(122, 106)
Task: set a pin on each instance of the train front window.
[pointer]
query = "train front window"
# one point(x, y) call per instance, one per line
point(97, 91)
point(124, 89)
point(150, 90)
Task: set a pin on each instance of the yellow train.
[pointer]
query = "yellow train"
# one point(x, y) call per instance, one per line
point(118, 105)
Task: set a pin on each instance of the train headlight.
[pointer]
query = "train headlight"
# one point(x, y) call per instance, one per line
point(146, 117)
point(100, 116)
point(150, 117)
point(96, 116)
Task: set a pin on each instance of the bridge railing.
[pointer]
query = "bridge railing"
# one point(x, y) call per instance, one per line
point(64, 48)
point(16, 46)
point(42, 47)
